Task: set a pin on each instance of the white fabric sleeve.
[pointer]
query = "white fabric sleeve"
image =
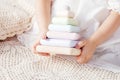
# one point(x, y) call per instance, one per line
point(114, 5)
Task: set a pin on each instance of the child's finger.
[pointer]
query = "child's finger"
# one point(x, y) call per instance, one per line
point(88, 57)
point(34, 47)
point(44, 37)
point(80, 44)
point(82, 58)
point(44, 54)
point(41, 53)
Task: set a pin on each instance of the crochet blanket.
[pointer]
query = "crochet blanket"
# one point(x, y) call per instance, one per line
point(19, 63)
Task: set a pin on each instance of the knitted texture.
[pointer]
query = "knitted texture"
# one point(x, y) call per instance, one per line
point(26, 5)
point(19, 63)
point(13, 19)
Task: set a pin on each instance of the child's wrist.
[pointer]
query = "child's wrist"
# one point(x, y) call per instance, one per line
point(93, 42)
point(43, 30)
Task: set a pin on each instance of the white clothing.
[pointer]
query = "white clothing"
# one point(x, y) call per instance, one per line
point(91, 14)
point(29, 38)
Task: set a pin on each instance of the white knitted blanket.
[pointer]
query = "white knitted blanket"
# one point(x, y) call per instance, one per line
point(19, 63)
point(15, 17)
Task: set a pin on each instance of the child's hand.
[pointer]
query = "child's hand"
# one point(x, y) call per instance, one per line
point(42, 36)
point(88, 48)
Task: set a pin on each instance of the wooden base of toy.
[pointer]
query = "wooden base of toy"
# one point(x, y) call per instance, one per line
point(58, 50)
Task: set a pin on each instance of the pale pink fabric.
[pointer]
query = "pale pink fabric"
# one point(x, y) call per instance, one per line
point(63, 35)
